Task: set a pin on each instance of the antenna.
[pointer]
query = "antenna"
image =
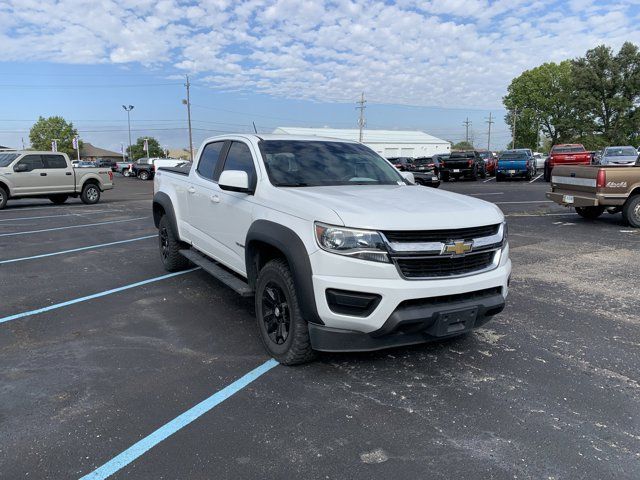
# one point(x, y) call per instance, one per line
point(255, 130)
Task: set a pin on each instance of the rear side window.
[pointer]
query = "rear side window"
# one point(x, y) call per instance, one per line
point(240, 158)
point(32, 161)
point(54, 161)
point(209, 159)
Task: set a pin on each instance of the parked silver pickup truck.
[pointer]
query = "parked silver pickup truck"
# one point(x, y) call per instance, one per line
point(31, 174)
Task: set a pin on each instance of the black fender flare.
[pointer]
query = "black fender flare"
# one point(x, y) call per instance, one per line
point(292, 247)
point(163, 200)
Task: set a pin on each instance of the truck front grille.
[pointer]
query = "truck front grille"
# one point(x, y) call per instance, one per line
point(443, 266)
point(407, 236)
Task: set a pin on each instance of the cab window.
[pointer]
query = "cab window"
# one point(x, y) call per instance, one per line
point(209, 159)
point(32, 162)
point(240, 158)
point(54, 161)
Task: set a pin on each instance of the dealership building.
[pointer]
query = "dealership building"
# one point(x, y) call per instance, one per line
point(388, 143)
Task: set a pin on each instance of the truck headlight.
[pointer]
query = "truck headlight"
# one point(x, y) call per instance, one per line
point(505, 233)
point(362, 244)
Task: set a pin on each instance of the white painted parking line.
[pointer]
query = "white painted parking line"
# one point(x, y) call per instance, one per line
point(525, 201)
point(488, 193)
point(90, 247)
point(54, 216)
point(95, 295)
point(71, 226)
point(489, 179)
point(539, 214)
point(54, 207)
point(147, 443)
point(536, 178)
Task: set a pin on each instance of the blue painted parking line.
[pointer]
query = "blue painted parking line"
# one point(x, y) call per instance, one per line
point(141, 447)
point(80, 249)
point(70, 226)
point(95, 295)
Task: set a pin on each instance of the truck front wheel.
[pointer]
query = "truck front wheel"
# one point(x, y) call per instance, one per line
point(590, 213)
point(170, 246)
point(90, 194)
point(283, 330)
point(631, 211)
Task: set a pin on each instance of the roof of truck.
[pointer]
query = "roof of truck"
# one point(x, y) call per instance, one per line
point(283, 136)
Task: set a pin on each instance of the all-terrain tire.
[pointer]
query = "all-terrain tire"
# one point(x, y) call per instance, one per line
point(590, 213)
point(275, 277)
point(631, 211)
point(170, 246)
point(90, 194)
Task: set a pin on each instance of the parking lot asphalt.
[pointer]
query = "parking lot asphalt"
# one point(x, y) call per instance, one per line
point(548, 389)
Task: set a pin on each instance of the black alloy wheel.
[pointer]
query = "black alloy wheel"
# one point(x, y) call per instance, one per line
point(276, 314)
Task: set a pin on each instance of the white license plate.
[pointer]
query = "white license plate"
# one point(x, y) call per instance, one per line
point(456, 170)
point(567, 199)
point(512, 172)
point(433, 179)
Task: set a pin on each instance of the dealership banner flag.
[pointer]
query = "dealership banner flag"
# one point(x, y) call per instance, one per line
point(75, 143)
point(146, 145)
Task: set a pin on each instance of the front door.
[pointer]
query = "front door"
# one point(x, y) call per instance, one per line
point(33, 180)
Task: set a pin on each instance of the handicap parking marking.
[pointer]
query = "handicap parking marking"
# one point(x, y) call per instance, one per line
point(93, 296)
point(71, 226)
point(147, 443)
point(80, 249)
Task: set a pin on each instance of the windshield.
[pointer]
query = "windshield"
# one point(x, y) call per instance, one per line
point(455, 155)
point(297, 163)
point(568, 149)
point(423, 161)
point(7, 158)
point(621, 152)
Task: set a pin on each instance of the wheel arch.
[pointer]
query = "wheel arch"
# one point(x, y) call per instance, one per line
point(268, 240)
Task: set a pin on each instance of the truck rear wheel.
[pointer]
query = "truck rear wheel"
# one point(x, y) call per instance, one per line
point(143, 175)
point(283, 330)
point(58, 199)
point(590, 213)
point(547, 174)
point(90, 193)
point(631, 211)
point(4, 196)
point(169, 245)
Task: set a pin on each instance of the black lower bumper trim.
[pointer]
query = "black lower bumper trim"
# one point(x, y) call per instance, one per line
point(411, 324)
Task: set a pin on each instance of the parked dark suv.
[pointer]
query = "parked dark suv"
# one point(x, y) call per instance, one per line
point(425, 171)
point(404, 164)
point(468, 164)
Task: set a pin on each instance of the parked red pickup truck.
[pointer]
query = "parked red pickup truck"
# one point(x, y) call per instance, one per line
point(566, 154)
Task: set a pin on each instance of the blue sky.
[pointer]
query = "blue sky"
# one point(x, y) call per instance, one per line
point(422, 65)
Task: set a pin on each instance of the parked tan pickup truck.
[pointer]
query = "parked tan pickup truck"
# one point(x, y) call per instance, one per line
point(593, 189)
point(25, 174)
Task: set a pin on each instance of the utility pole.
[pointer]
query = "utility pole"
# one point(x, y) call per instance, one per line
point(361, 121)
point(490, 122)
point(513, 129)
point(187, 102)
point(128, 110)
point(466, 123)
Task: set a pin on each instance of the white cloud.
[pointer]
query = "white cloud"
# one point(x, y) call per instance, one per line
point(440, 52)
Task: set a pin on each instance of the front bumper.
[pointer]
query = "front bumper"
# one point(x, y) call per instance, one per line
point(376, 330)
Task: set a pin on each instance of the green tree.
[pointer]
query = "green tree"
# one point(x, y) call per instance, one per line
point(137, 149)
point(543, 100)
point(45, 130)
point(463, 145)
point(607, 93)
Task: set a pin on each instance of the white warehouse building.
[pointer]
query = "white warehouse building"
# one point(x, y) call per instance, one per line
point(388, 143)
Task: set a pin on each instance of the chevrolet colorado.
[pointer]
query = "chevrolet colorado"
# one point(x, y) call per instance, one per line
point(339, 250)
point(593, 189)
point(25, 174)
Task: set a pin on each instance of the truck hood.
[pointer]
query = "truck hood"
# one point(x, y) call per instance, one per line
point(399, 207)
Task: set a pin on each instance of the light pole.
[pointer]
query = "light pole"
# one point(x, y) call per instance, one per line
point(128, 110)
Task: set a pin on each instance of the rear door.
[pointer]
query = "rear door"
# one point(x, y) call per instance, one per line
point(34, 180)
point(60, 177)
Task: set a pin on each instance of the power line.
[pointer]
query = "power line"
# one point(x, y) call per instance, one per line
point(466, 123)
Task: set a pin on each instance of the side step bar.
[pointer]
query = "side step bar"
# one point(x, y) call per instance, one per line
point(229, 279)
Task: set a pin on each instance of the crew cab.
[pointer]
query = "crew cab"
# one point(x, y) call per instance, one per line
point(340, 251)
point(33, 174)
point(592, 190)
point(515, 164)
point(565, 154)
point(459, 165)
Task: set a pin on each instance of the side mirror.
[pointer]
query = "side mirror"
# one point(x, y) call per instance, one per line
point(408, 176)
point(21, 167)
point(235, 181)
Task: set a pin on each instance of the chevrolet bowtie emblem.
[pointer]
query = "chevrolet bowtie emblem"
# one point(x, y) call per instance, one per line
point(458, 247)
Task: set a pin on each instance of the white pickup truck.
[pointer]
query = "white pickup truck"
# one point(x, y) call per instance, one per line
point(340, 250)
point(32, 174)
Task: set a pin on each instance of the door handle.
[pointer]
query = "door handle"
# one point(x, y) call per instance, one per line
point(215, 198)
point(68, 173)
point(191, 190)
point(42, 174)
